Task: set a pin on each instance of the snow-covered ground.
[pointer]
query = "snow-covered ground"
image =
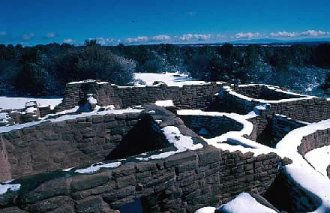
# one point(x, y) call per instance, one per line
point(171, 79)
point(319, 158)
point(234, 137)
point(243, 202)
point(300, 170)
point(19, 102)
point(7, 186)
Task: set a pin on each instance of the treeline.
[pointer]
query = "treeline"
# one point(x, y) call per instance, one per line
point(45, 69)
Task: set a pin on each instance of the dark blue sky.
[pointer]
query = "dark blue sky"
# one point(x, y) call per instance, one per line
point(165, 21)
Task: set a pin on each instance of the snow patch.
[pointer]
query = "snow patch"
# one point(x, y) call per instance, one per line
point(97, 166)
point(31, 110)
point(19, 102)
point(234, 93)
point(91, 99)
point(4, 187)
point(233, 140)
point(206, 210)
point(170, 79)
point(88, 81)
point(69, 117)
point(4, 118)
point(319, 158)
point(243, 202)
point(302, 172)
point(165, 103)
point(181, 143)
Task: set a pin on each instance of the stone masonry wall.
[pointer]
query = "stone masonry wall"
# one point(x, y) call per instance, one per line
point(316, 140)
point(5, 173)
point(269, 129)
point(283, 125)
point(58, 145)
point(182, 182)
point(215, 126)
point(188, 96)
point(263, 92)
point(309, 110)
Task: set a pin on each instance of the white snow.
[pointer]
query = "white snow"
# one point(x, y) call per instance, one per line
point(242, 203)
point(165, 103)
point(88, 81)
point(69, 117)
point(302, 172)
point(67, 170)
point(31, 110)
point(181, 143)
point(19, 102)
point(171, 79)
point(234, 137)
point(293, 139)
point(206, 210)
point(4, 118)
point(319, 158)
point(67, 111)
point(97, 166)
point(91, 99)
point(241, 96)
point(4, 187)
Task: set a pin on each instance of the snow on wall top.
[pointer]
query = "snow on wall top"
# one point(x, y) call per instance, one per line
point(319, 158)
point(7, 186)
point(181, 142)
point(19, 102)
point(68, 117)
point(235, 138)
point(89, 81)
point(241, 96)
point(242, 202)
point(300, 170)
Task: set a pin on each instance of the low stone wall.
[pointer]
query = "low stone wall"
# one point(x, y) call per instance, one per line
point(188, 96)
point(260, 123)
point(214, 126)
point(5, 173)
point(57, 145)
point(270, 129)
point(316, 140)
point(309, 110)
point(182, 182)
point(283, 125)
point(262, 92)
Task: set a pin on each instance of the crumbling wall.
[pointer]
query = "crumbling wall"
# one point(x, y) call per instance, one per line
point(5, 173)
point(58, 145)
point(316, 140)
point(182, 182)
point(262, 92)
point(188, 96)
point(309, 110)
point(210, 126)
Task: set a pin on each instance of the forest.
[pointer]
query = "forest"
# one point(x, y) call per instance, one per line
point(43, 70)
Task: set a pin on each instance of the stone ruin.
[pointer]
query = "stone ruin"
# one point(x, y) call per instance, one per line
point(211, 143)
